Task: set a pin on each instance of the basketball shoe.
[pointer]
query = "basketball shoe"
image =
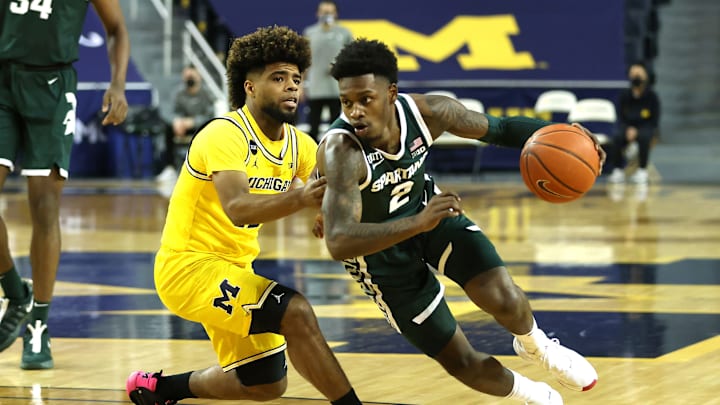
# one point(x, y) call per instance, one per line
point(551, 398)
point(36, 353)
point(617, 176)
point(141, 386)
point(570, 368)
point(640, 176)
point(15, 315)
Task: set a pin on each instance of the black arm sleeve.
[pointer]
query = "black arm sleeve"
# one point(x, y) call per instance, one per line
point(511, 131)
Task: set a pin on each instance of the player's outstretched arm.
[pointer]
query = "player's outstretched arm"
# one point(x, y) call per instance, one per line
point(244, 208)
point(443, 113)
point(342, 162)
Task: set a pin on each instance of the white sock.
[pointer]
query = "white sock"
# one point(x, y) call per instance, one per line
point(525, 389)
point(534, 339)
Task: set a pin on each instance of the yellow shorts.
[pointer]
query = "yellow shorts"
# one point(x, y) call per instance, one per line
point(220, 295)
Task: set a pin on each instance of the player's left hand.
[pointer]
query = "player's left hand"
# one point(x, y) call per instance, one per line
point(601, 152)
point(115, 105)
point(318, 226)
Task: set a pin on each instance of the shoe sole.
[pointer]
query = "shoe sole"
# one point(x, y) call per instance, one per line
point(577, 388)
point(8, 342)
point(137, 399)
point(43, 365)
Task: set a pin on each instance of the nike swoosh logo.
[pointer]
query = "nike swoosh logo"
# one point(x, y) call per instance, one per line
point(53, 80)
point(541, 184)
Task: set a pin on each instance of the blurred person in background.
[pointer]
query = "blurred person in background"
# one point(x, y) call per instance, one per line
point(193, 107)
point(638, 112)
point(326, 39)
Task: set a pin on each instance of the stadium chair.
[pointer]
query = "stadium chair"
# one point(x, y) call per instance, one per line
point(597, 115)
point(557, 102)
point(450, 140)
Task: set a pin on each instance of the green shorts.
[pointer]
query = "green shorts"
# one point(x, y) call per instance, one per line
point(400, 281)
point(37, 117)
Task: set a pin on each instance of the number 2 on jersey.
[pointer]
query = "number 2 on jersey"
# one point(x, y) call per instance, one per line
point(399, 195)
point(43, 7)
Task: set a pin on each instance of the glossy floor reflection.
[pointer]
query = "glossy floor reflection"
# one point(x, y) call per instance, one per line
point(631, 280)
point(119, 302)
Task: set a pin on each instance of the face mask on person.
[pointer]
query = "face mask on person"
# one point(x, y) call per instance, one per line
point(190, 83)
point(637, 81)
point(327, 19)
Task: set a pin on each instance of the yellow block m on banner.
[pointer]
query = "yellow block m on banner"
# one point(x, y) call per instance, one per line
point(487, 39)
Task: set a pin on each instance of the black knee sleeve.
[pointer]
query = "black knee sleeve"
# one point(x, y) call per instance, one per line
point(264, 371)
point(267, 318)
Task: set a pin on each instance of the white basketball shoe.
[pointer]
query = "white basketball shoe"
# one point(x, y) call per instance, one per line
point(570, 368)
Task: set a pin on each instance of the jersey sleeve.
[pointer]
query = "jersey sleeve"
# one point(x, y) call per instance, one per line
point(218, 147)
point(307, 151)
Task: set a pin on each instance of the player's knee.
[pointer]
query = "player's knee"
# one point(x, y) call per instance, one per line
point(299, 315)
point(267, 392)
point(465, 365)
point(264, 379)
point(270, 316)
point(507, 301)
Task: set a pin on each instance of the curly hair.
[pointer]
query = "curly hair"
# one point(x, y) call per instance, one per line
point(363, 56)
point(256, 50)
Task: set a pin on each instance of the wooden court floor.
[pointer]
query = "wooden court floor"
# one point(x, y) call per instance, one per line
point(628, 276)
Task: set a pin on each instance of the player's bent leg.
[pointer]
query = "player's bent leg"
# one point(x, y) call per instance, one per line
point(308, 349)
point(261, 380)
point(474, 369)
point(484, 373)
point(494, 292)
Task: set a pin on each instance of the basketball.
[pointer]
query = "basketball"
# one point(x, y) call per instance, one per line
point(559, 163)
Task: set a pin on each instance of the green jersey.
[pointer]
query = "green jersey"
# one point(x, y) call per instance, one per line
point(395, 183)
point(398, 278)
point(41, 32)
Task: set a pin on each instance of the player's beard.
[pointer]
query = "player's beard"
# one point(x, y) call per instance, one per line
point(275, 112)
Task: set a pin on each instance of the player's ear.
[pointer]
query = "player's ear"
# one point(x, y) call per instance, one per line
point(249, 87)
point(392, 93)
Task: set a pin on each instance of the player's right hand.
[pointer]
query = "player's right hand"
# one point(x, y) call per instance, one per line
point(439, 207)
point(313, 192)
point(319, 226)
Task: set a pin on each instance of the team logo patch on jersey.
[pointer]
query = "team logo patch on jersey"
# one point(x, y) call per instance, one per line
point(253, 147)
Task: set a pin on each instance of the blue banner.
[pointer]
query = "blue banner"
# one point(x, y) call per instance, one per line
point(106, 151)
point(93, 65)
point(565, 40)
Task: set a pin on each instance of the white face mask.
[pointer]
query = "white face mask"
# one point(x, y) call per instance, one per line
point(327, 19)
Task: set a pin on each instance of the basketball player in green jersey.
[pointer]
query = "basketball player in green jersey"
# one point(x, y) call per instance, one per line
point(38, 44)
point(388, 223)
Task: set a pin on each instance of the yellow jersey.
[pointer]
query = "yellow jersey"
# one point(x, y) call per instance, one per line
point(196, 221)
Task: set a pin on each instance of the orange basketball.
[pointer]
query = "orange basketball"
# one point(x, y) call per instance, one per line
point(559, 163)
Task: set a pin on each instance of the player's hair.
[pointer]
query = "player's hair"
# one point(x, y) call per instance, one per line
point(363, 56)
point(256, 50)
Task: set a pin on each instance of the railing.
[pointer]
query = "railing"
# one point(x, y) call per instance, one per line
point(198, 52)
point(164, 9)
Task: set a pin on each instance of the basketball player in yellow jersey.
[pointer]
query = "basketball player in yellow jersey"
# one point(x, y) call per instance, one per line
point(237, 175)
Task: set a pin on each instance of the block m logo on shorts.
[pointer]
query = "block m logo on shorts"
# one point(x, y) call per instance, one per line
point(228, 291)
